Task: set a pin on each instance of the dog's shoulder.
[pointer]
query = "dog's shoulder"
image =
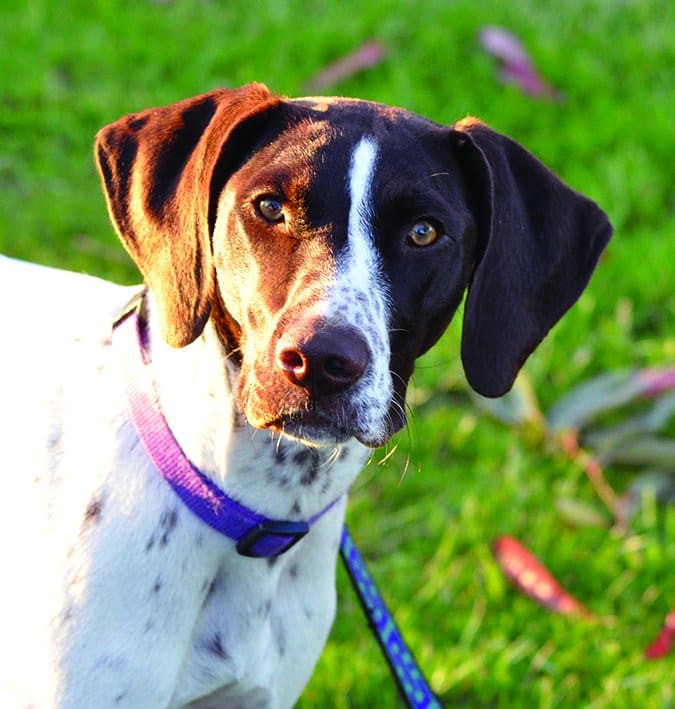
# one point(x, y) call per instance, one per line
point(39, 299)
point(57, 329)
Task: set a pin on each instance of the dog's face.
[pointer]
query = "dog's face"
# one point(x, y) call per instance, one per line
point(350, 235)
point(332, 241)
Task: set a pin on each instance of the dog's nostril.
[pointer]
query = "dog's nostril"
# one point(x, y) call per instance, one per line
point(327, 361)
point(290, 360)
point(335, 367)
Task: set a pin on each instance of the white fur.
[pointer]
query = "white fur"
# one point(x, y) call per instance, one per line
point(130, 607)
point(359, 299)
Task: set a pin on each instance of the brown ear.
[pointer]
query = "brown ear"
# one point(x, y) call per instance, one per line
point(539, 242)
point(159, 170)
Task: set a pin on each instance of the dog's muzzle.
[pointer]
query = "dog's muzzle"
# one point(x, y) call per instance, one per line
point(323, 360)
point(321, 366)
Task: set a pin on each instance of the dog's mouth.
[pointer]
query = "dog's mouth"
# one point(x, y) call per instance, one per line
point(318, 418)
point(312, 428)
point(315, 428)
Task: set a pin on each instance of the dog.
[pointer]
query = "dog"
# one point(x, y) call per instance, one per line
point(298, 256)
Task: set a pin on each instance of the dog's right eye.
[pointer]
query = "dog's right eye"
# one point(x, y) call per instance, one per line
point(271, 209)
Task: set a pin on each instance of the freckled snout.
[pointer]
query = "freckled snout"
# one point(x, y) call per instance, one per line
point(322, 359)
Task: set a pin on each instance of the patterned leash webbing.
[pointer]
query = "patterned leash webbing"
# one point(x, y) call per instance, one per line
point(411, 682)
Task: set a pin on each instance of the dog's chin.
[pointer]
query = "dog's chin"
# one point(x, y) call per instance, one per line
point(318, 432)
point(315, 431)
point(311, 433)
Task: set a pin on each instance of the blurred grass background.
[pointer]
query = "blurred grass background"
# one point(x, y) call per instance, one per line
point(68, 68)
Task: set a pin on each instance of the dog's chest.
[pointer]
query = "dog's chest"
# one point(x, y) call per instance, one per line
point(262, 622)
point(261, 627)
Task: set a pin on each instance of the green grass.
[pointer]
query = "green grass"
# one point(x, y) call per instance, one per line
point(68, 68)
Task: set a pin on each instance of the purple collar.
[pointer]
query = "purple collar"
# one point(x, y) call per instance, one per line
point(255, 535)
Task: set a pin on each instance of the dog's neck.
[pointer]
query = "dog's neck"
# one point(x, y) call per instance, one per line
point(273, 475)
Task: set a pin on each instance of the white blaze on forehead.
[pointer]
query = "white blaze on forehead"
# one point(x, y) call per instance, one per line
point(361, 259)
point(358, 297)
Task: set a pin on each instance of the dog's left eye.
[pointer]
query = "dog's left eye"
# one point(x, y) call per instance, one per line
point(423, 233)
point(272, 209)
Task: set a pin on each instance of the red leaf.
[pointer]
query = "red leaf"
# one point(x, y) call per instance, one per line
point(665, 642)
point(532, 578)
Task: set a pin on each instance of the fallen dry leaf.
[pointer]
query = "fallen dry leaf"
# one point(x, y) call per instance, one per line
point(516, 67)
point(366, 56)
point(532, 578)
point(665, 642)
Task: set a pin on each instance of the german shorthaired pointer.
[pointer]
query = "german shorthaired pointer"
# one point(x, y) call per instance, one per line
point(298, 255)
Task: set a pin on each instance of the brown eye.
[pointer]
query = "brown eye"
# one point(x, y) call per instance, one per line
point(272, 209)
point(424, 233)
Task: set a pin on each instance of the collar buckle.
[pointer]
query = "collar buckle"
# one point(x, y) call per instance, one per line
point(271, 538)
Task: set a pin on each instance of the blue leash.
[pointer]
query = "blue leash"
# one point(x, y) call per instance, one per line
point(411, 683)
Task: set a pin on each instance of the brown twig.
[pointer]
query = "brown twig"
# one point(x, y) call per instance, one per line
point(568, 443)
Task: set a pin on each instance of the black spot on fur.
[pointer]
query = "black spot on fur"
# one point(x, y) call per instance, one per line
point(344, 453)
point(167, 523)
point(210, 586)
point(293, 571)
point(302, 456)
point(279, 636)
point(93, 512)
point(215, 646)
point(273, 478)
point(272, 560)
point(310, 475)
point(280, 453)
point(120, 697)
point(295, 509)
point(54, 440)
point(207, 588)
point(157, 585)
point(67, 615)
point(150, 543)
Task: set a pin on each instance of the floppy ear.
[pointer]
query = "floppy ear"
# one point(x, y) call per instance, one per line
point(538, 244)
point(162, 172)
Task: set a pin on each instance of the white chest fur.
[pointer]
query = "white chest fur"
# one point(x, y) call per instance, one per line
point(129, 600)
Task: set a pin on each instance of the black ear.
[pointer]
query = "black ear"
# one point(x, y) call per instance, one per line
point(539, 242)
point(159, 170)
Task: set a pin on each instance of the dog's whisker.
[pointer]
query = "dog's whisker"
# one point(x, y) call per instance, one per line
point(404, 472)
point(389, 454)
point(396, 375)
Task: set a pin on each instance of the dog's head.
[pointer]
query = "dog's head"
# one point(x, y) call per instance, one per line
point(331, 241)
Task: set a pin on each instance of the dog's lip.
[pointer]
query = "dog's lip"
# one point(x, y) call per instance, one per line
point(311, 428)
point(317, 428)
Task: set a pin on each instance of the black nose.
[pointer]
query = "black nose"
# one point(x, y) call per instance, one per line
point(322, 359)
